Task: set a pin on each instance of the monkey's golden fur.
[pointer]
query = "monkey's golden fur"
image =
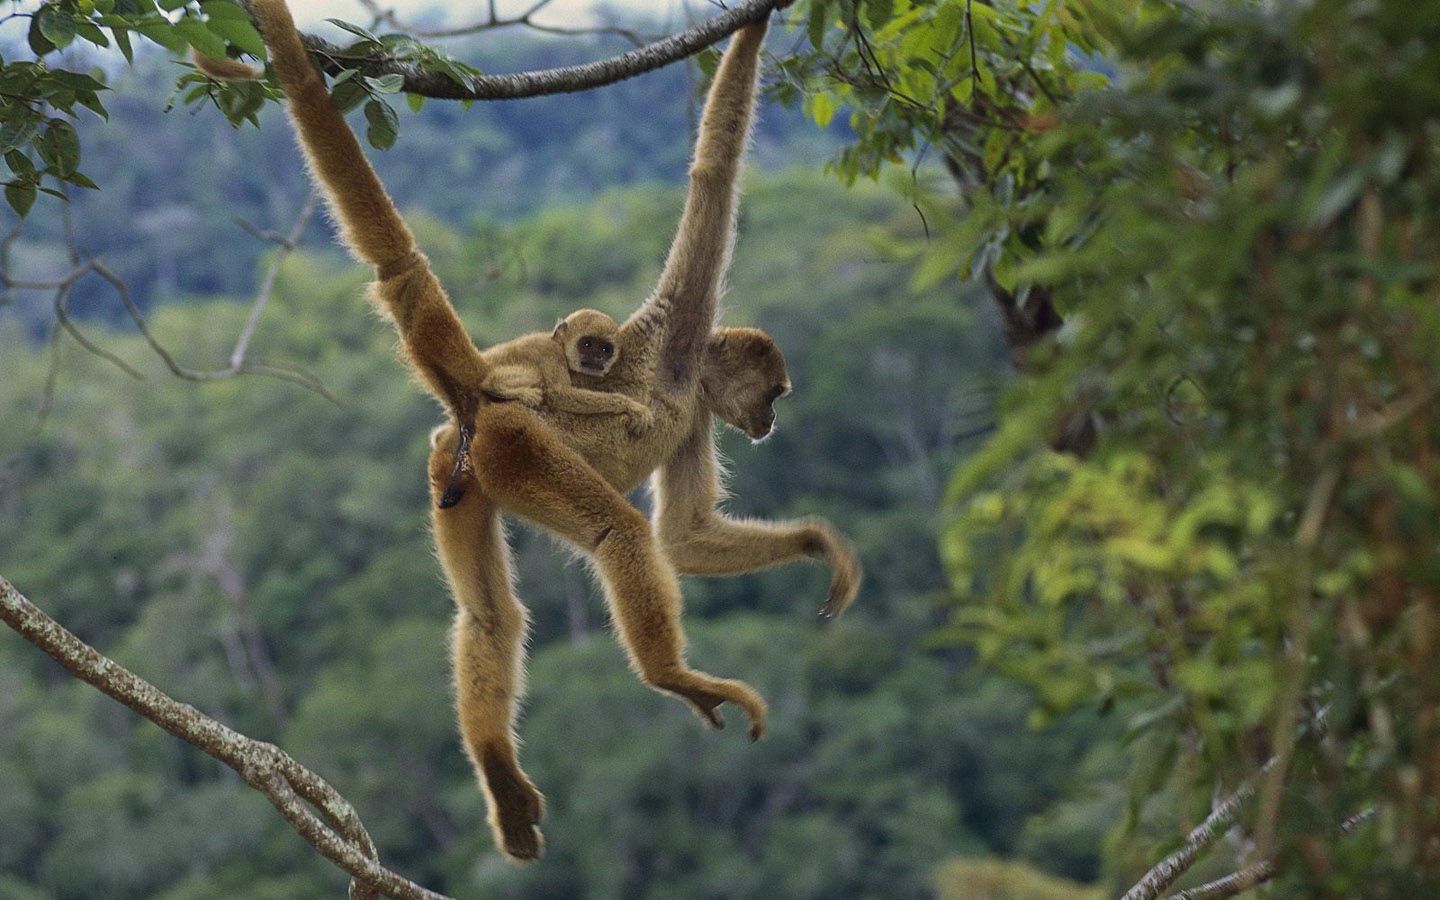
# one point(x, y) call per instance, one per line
point(567, 471)
point(535, 369)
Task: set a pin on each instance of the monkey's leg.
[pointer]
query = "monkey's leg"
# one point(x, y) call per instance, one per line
point(717, 545)
point(701, 541)
point(487, 654)
point(524, 467)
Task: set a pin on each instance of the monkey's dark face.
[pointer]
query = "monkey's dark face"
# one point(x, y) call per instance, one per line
point(588, 337)
point(594, 354)
point(744, 375)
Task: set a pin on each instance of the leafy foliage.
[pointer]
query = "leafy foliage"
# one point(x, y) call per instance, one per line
point(1231, 207)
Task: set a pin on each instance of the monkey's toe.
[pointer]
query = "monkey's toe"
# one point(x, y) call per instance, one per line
point(523, 843)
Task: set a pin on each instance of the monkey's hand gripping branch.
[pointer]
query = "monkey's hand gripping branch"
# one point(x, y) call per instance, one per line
point(294, 790)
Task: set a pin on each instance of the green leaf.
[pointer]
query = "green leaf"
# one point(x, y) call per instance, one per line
point(92, 33)
point(822, 108)
point(818, 22)
point(91, 102)
point(163, 33)
point(21, 197)
point(392, 83)
point(57, 25)
point(384, 126)
point(39, 43)
point(347, 95)
point(240, 33)
point(83, 181)
point(415, 102)
point(18, 131)
point(878, 12)
point(59, 147)
point(19, 163)
point(122, 40)
point(221, 9)
point(199, 36)
point(172, 5)
point(354, 29)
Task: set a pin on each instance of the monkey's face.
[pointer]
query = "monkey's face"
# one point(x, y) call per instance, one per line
point(588, 337)
point(744, 374)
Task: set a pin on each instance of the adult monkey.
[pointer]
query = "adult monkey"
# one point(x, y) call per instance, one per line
point(567, 474)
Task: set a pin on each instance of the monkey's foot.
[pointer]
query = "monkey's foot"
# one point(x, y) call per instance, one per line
point(516, 808)
point(845, 571)
point(705, 694)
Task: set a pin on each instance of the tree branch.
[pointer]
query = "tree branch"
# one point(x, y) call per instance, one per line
point(565, 79)
point(1164, 873)
point(240, 362)
point(1256, 873)
point(336, 831)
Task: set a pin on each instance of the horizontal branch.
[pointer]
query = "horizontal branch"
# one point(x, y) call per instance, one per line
point(561, 80)
point(294, 790)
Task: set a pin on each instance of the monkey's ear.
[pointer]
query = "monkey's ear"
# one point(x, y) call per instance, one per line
point(560, 327)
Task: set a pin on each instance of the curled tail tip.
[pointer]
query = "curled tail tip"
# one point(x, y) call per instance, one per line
point(224, 69)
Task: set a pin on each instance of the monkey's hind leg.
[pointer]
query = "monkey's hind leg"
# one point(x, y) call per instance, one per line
point(530, 473)
point(487, 654)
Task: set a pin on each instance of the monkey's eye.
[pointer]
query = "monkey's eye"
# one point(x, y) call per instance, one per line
point(606, 349)
point(586, 344)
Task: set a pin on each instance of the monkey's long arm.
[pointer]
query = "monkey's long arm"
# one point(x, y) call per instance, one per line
point(434, 339)
point(581, 400)
point(700, 254)
point(699, 540)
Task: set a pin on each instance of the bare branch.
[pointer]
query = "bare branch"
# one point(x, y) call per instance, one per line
point(1235, 883)
point(239, 362)
point(1257, 873)
point(336, 831)
point(1164, 873)
point(262, 296)
point(565, 79)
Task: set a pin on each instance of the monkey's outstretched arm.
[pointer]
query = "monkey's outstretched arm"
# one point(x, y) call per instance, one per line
point(699, 540)
point(434, 339)
point(700, 254)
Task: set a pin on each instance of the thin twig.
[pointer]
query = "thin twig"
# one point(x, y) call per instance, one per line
point(1235, 883)
point(336, 832)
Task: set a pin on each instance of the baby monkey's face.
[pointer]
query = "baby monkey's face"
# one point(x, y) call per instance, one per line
point(588, 337)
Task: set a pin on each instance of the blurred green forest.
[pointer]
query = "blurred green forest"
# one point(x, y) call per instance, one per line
point(263, 554)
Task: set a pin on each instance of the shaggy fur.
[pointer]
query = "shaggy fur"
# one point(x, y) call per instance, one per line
point(567, 471)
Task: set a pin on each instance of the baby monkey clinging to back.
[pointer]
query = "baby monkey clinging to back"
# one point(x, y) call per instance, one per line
point(534, 369)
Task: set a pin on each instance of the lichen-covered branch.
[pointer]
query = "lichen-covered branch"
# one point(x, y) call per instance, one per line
point(561, 80)
point(311, 806)
point(1166, 871)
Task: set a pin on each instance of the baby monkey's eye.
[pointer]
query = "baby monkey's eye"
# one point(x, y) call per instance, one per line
point(586, 344)
point(607, 349)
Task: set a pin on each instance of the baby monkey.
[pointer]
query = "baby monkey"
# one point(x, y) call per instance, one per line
point(535, 369)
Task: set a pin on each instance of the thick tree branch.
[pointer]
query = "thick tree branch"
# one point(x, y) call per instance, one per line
point(562, 80)
point(336, 831)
